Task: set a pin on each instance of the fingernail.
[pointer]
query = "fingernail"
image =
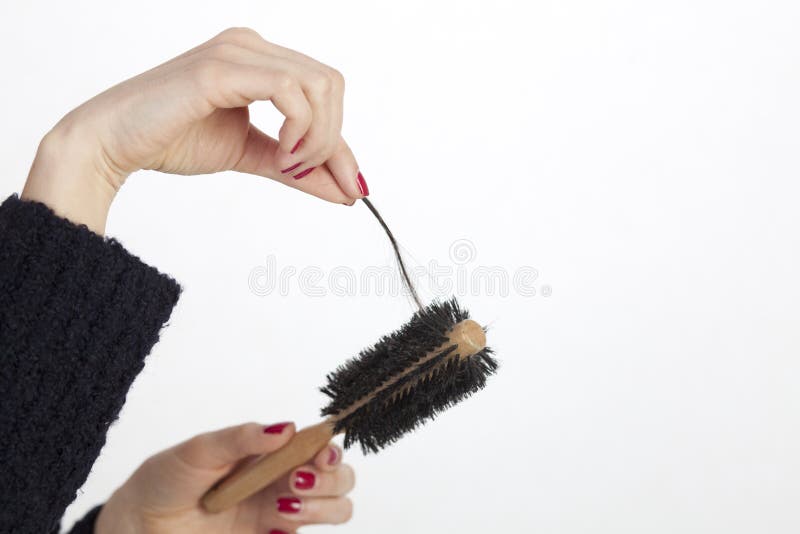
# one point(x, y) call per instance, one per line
point(333, 456)
point(276, 428)
point(362, 184)
point(304, 173)
point(289, 505)
point(304, 480)
point(296, 146)
point(293, 167)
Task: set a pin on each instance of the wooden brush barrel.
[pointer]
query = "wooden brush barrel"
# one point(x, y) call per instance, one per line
point(469, 338)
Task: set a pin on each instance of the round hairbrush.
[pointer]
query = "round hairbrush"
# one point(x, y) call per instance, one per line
point(435, 360)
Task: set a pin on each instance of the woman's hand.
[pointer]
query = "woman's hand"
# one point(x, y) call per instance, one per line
point(163, 495)
point(190, 116)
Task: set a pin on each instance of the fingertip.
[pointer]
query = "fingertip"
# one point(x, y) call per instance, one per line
point(329, 458)
point(278, 428)
point(319, 183)
point(302, 479)
point(275, 435)
point(287, 148)
point(291, 138)
point(221, 448)
point(335, 455)
point(297, 145)
point(362, 185)
point(303, 173)
point(291, 168)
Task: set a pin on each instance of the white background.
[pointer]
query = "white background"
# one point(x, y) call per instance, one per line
point(641, 155)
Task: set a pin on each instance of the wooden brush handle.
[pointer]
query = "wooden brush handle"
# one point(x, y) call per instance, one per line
point(468, 337)
point(248, 480)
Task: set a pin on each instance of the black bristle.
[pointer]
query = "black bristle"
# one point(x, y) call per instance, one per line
point(415, 398)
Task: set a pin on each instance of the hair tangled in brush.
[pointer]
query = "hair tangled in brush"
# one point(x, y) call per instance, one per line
point(432, 387)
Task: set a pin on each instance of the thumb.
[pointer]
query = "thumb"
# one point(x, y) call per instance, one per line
point(222, 448)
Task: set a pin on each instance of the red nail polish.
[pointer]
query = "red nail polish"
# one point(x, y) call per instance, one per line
point(276, 428)
point(293, 167)
point(289, 505)
point(362, 185)
point(296, 146)
point(304, 173)
point(333, 456)
point(304, 480)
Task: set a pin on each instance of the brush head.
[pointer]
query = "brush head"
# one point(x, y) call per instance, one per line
point(432, 362)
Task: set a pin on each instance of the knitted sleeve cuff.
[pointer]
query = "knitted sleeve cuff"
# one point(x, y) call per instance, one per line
point(86, 523)
point(78, 315)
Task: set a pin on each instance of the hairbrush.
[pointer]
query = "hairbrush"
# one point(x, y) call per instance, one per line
point(438, 358)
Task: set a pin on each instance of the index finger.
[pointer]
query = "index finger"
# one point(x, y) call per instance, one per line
point(260, 159)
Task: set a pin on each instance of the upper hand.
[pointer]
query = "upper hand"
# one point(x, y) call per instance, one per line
point(190, 116)
point(163, 495)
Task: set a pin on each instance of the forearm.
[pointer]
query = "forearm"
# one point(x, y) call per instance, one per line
point(78, 315)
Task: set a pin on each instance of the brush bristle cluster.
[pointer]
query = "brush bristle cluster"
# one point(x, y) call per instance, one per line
point(415, 398)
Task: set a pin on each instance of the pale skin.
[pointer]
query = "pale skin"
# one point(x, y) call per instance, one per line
point(162, 496)
point(190, 116)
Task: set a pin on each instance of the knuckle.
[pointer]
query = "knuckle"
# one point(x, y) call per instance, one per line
point(237, 33)
point(222, 50)
point(300, 117)
point(285, 82)
point(151, 463)
point(305, 115)
point(191, 449)
point(241, 437)
point(337, 79)
point(322, 84)
point(198, 442)
point(327, 152)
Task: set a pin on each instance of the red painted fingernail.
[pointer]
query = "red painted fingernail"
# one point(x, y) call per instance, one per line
point(276, 428)
point(276, 531)
point(296, 146)
point(289, 505)
point(304, 173)
point(362, 185)
point(333, 456)
point(304, 480)
point(293, 167)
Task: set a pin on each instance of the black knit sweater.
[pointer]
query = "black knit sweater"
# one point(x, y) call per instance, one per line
point(78, 315)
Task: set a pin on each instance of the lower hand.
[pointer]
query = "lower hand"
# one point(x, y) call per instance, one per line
point(190, 116)
point(163, 495)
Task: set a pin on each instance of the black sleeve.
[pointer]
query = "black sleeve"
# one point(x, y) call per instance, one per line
point(86, 524)
point(78, 315)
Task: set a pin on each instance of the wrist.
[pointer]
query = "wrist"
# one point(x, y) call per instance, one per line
point(65, 178)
